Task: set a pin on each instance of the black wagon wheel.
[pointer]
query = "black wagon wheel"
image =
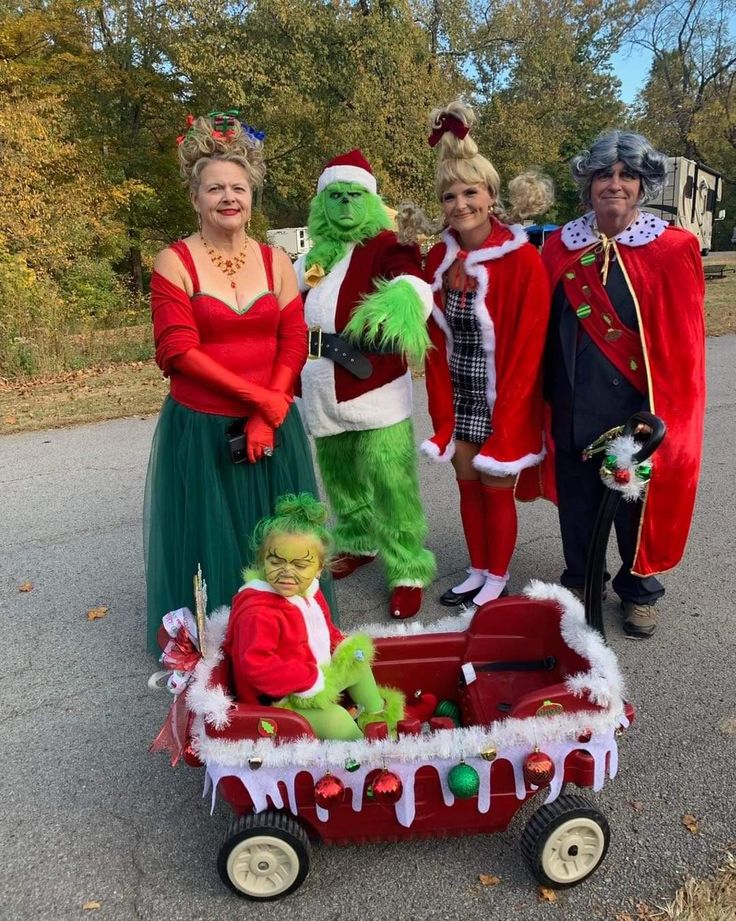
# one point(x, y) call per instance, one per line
point(264, 856)
point(564, 842)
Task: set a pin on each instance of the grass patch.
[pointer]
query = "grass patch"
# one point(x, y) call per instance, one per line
point(75, 397)
point(720, 296)
point(712, 899)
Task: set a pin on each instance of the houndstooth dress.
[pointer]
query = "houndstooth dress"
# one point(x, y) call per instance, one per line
point(467, 368)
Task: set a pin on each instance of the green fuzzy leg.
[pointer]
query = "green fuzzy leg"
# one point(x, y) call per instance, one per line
point(392, 318)
point(372, 482)
point(339, 674)
point(393, 709)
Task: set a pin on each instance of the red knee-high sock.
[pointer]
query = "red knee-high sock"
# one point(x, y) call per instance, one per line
point(500, 512)
point(473, 515)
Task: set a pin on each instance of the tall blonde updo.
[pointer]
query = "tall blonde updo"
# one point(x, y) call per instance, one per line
point(458, 160)
point(202, 144)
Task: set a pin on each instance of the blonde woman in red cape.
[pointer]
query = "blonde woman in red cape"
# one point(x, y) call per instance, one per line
point(488, 324)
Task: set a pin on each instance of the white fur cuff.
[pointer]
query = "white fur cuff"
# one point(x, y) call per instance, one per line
point(432, 451)
point(495, 467)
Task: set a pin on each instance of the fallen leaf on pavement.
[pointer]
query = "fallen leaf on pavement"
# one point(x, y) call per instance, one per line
point(97, 613)
point(637, 805)
point(25, 587)
point(643, 910)
point(727, 725)
point(546, 895)
point(690, 823)
point(488, 879)
point(623, 917)
point(91, 905)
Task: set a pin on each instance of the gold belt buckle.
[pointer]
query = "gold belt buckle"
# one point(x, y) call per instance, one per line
point(312, 356)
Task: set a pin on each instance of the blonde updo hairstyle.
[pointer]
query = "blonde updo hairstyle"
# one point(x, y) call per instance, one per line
point(458, 160)
point(200, 147)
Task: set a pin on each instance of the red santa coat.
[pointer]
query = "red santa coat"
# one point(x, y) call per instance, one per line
point(277, 644)
point(512, 308)
point(664, 272)
point(334, 399)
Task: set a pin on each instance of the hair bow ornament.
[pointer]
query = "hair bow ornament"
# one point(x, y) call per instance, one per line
point(448, 122)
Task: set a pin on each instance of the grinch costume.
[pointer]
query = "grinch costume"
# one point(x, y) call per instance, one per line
point(289, 652)
point(366, 307)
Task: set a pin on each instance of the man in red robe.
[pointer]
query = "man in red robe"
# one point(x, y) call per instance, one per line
point(626, 333)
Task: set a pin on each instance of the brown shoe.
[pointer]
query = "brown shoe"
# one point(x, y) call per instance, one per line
point(640, 620)
point(579, 593)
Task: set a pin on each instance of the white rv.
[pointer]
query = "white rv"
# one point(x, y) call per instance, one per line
point(295, 240)
point(690, 199)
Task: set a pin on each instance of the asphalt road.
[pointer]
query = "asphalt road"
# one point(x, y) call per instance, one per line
point(87, 815)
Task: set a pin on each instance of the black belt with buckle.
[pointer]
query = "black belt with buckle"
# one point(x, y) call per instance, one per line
point(339, 350)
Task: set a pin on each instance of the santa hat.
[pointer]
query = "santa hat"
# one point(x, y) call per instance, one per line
point(349, 167)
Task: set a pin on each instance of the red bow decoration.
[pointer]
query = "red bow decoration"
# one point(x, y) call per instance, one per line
point(451, 123)
point(180, 657)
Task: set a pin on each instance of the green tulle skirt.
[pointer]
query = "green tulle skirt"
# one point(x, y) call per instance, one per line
point(201, 508)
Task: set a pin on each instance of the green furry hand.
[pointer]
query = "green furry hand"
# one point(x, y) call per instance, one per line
point(393, 319)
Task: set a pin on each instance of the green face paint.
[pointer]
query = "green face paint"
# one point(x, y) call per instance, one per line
point(347, 205)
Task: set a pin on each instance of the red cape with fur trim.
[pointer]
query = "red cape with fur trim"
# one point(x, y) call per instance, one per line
point(666, 276)
point(512, 306)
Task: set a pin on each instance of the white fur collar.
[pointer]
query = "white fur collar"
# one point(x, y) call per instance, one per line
point(260, 586)
point(477, 256)
point(644, 229)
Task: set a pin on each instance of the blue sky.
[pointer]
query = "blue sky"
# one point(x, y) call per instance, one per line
point(632, 69)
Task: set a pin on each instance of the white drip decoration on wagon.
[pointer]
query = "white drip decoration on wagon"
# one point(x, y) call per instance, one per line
point(513, 739)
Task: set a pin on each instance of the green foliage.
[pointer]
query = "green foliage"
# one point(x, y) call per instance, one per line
point(92, 97)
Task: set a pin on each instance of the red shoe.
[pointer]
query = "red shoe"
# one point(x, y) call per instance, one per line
point(346, 564)
point(405, 601)
point(421, 706)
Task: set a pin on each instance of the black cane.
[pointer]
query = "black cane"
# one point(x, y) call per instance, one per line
point(595, 567)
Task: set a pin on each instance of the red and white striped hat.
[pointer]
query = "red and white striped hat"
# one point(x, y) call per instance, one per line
point(348, 167)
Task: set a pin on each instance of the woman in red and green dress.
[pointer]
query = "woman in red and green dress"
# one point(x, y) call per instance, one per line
point(230, 335)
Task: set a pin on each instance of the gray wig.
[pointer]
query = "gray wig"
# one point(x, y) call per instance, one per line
point(631, 149)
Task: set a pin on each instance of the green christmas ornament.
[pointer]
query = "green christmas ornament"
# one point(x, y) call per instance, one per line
point(448, 708)
point(351, 764)
point(610, 462)
point(644, 470)
point(463, 781)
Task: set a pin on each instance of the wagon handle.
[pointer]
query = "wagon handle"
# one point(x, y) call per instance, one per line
point(606, 513)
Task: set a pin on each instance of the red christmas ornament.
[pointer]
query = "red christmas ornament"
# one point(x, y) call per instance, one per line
point(585, 736)
point(329, 791)
point(386, 787)
point(539, 769)
point(622, 476)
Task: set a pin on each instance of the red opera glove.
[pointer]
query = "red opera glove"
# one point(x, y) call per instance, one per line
point(283, 379)
point(273, 404)
point(259, 438)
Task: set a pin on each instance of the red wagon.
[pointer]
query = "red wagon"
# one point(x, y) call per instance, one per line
point(532, 701)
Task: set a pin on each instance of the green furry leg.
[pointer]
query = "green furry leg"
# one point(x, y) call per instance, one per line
point(371, 479)
point(348, 486)
point(391, 713)
point(400, 523)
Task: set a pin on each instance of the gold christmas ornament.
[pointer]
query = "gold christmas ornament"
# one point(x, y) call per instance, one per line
point(489, 754)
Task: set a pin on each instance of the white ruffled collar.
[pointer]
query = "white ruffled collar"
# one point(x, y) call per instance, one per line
point(645, 228)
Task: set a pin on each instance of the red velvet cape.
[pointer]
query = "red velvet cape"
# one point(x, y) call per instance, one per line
point(666, 277)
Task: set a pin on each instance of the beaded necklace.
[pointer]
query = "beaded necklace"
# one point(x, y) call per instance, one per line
point(231, 265)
